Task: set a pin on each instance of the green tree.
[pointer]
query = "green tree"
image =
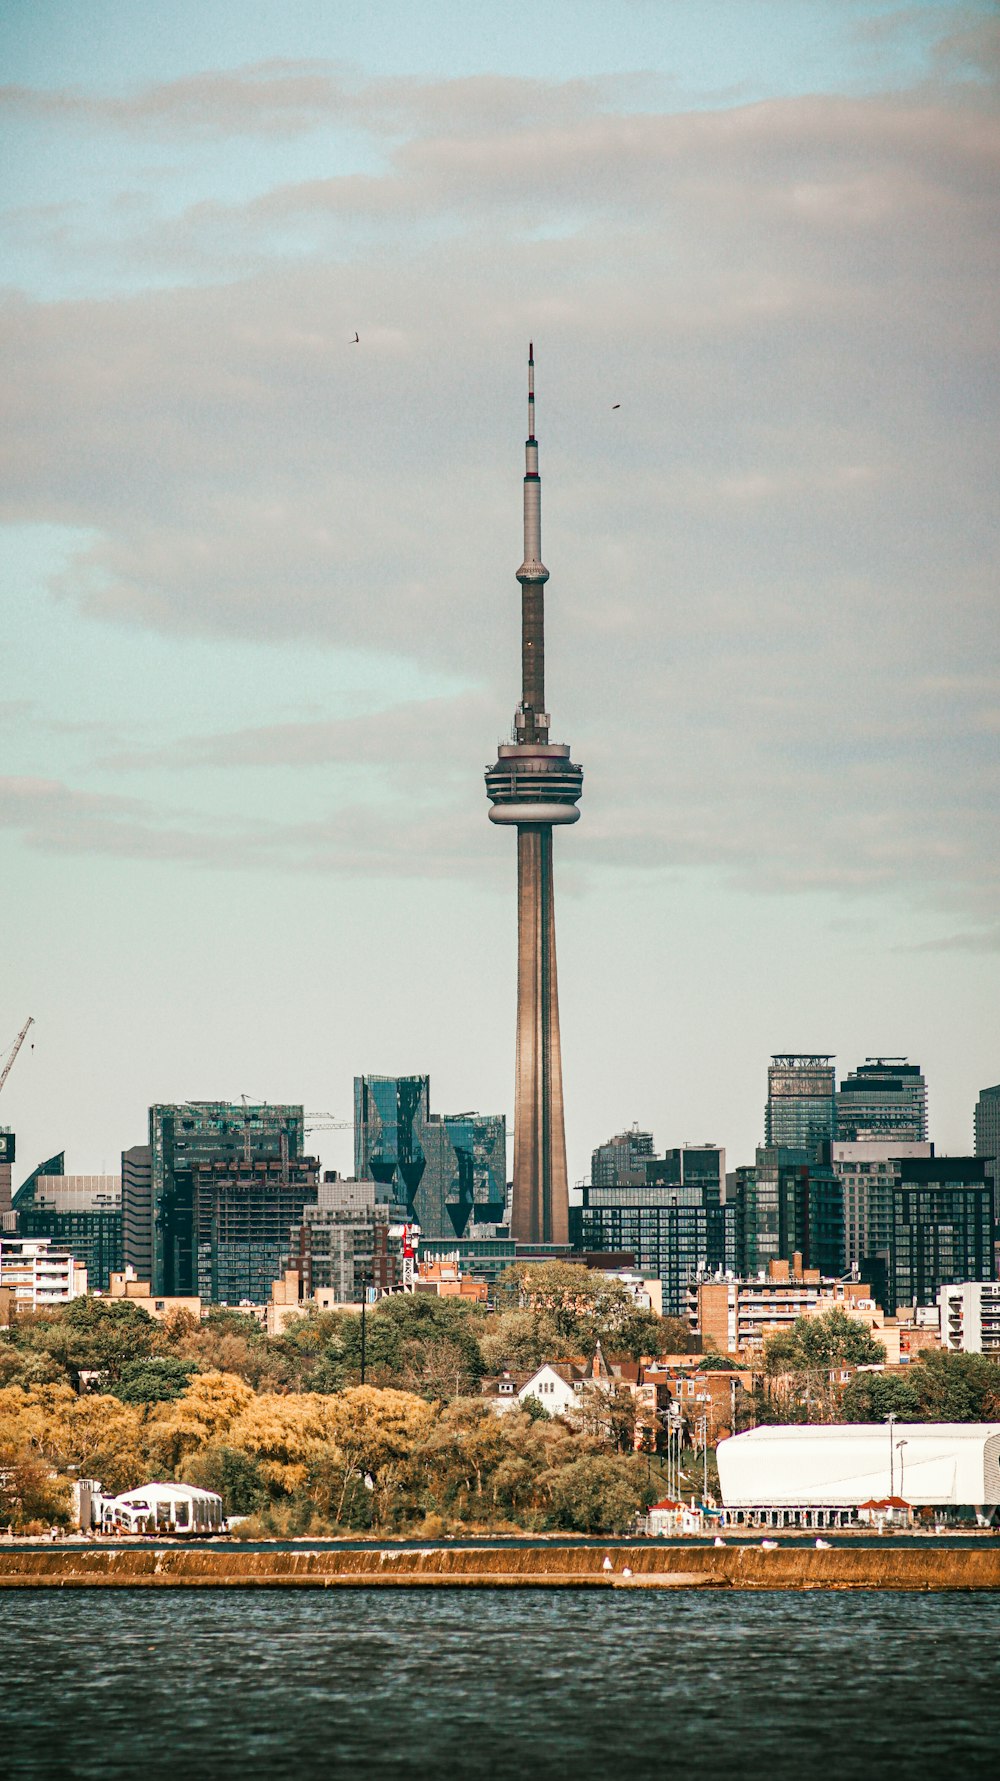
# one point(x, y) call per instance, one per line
point(153, 1380)
point(871, 1397)
point(534, 1408)
point(957, 1387)
point(598, 1494)
point(91, 1335)
point(806, 1357)
point(233, 1474)
point(820, 1343)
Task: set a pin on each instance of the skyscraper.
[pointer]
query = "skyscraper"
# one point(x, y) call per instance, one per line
point(7, 1153)
point(137, 1209)
point(534, 785)
point(81, 1213)
point(868, 1172)
point(942, 1227)
point(622, 1158)
point(886, 1097)
point(987, 1140)
point(193, 1133)
point(790, 1203)
point(449, 1170)
point(800, 1110)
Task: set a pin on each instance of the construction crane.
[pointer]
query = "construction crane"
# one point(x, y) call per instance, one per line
point(326, 1122)
point(15, 1048)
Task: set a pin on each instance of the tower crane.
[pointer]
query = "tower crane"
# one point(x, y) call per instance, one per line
point(326, 1122)
point(15, 1048)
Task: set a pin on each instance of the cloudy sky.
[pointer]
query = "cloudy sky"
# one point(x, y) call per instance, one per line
point(260, 619)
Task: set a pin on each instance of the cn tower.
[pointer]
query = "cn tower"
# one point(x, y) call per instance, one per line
point(534, 786)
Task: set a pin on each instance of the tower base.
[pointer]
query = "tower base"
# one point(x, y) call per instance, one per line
point(540, 1205)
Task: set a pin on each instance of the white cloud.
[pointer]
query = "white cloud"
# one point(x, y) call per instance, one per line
point(772, 606)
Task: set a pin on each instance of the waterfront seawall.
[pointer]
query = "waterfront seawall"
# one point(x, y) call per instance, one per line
point(542, 1567)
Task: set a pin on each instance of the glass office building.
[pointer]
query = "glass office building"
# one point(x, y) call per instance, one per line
point(621, 1159)
point(801, 1104)
point(244, 1214)
point(448, 1170)
point(673, 1232)
point(80, 1213)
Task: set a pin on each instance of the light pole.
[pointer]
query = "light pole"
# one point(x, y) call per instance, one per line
point(703, 1431)
point(891, 1420)
point(899, 1448)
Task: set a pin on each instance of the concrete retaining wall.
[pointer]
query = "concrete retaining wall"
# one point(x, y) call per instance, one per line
point(693, 1567)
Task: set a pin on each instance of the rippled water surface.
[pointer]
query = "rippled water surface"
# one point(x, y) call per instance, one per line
point(485, 1684)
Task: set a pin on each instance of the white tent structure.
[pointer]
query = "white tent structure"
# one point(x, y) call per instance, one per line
point(930, 1464)
point(163, 1509)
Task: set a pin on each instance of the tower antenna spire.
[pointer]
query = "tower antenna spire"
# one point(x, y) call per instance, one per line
point(532, 723)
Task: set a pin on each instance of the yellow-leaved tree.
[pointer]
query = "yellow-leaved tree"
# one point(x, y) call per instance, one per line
point(201, 1417)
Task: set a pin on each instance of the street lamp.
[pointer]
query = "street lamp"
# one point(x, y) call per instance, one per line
point(703, 1432)
point(899, 1449)
point(892, 1419)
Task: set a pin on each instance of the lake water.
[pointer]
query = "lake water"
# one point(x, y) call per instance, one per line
point(508, 1683)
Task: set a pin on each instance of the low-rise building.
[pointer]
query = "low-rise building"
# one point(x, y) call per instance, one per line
point(446, 1280)
point(733, 1315)
point(127, 1285)
point(837, 1467)
point(560, 1386)
point(670, 1517)
point(882, 1512)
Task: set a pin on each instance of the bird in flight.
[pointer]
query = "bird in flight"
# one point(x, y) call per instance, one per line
point(615, 405)
point(355, 341)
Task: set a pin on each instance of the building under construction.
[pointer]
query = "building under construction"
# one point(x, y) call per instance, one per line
point(226, 1181)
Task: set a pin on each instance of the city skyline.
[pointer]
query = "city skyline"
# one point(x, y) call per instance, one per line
point(255, 577)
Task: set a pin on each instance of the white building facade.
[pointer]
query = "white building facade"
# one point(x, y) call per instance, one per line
point(39, 1274)
point(930, 1464)
point(970, 1317)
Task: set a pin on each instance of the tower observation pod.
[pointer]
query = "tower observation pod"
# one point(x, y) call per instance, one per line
point(534, 786)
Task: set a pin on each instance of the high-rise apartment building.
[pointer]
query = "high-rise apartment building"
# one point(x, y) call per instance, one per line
point(38, 1275)
point(80, 1213)
point(448, 1170)
point(882, 1098)
point(137, 1210)
point(621, 1159)
point(348, 1244)
point(970, 1317)
point(227, 1136)
point(987, 1139)
point(868, 1176)
point(790, 1203)
point(943, 1227)
point(801, 1105)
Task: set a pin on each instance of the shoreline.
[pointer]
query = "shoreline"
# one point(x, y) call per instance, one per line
point(526, 1567)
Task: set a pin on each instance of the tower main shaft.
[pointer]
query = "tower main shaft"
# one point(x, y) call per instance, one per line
point(535, 786)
